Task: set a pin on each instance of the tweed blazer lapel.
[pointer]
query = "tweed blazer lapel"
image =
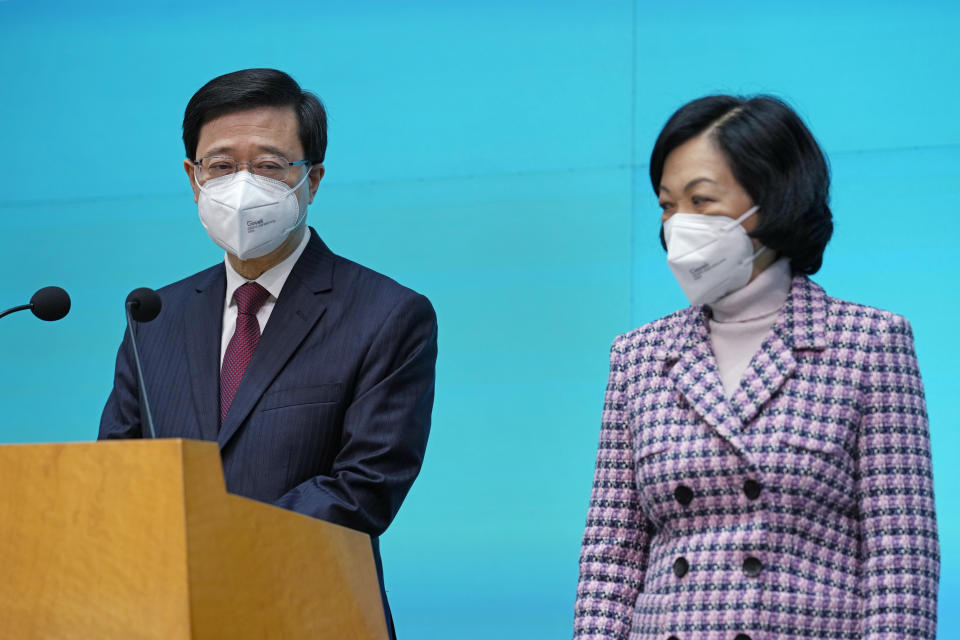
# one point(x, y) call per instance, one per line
point(692, 368)
point(297, 311)
point(800, 325)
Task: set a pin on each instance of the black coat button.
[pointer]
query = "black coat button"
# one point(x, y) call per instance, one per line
point(752, 567)
point(752, 489)
point(742, 636)
point(673, 638)
point(680, 567)
point(683, 494)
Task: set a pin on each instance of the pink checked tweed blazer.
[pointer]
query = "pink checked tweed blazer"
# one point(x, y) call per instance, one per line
point(800, 508)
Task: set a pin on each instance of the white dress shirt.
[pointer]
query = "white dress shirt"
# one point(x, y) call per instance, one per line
point(272, 280)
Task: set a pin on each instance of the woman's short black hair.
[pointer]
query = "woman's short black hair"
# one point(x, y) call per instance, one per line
point(775, 159)
point(250, 89)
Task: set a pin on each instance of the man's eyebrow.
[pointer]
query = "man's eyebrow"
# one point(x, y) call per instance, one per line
point(271, 150)
point(219, 151)
point(262, 149)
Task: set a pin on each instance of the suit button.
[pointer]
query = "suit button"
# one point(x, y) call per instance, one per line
point(752, 567)
point(673, 638)
point(752, 489)
point(742, 636)
point(680, 567)
point(683, 494)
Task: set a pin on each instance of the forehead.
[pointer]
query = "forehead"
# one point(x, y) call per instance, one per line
point(245, 134)
point(698, 157)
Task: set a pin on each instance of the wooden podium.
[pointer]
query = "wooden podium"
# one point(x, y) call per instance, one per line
point(139, 539)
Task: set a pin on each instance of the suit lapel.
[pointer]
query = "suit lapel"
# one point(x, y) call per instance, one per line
point(297, 310)
point(769, 368)
point(693, 371)
point(203, 319)
point(800, 325)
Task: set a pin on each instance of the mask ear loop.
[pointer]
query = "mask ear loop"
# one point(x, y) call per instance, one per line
point(749, 212)
point(754, 256)
point(196, 178)
point(293, 190)
point(299, 184)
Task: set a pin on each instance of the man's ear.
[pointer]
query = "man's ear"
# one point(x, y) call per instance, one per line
point(316, 175)
point(188, 167)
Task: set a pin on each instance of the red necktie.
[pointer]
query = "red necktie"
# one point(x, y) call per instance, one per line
point(249, 298)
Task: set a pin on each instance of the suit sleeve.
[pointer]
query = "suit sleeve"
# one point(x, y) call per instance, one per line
point(898, 528)
point(385, 427)
point(613, 557)
point(121, 415)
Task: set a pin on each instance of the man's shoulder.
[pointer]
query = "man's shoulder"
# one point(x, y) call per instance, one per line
point(361, 278)
point(376, 297)
point(358, 290)
point(192, 283)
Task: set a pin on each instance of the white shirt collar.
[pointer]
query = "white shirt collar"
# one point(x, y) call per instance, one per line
point(273, 278)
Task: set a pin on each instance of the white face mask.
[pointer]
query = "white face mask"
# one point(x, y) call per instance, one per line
point(250, 215)
point(709, 255)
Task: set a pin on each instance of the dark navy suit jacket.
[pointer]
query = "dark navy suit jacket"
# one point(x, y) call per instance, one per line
point(332, 415)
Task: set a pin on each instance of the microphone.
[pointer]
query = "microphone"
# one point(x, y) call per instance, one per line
point(49, 303)
point(143, 305)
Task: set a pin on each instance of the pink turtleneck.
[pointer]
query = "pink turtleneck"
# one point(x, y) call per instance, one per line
point(742, 319)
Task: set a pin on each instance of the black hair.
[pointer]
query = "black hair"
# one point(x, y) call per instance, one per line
point(250, 89)
point(774, 157)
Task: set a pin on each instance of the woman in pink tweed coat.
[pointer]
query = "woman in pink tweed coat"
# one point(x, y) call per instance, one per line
point(764, 462)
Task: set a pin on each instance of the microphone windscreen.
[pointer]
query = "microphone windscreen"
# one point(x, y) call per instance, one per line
point(144, 304)
point(50, 303)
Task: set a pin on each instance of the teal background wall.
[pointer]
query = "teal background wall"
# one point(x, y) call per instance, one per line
point(493, 156)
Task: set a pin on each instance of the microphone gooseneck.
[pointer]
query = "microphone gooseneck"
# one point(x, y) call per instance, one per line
point(48, 303)
point(143, 305)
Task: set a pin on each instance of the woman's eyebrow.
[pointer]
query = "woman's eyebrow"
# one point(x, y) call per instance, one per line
point(695, 182)
point(690, 184)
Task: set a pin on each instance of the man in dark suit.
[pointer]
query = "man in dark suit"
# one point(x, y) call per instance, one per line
point(314, 375)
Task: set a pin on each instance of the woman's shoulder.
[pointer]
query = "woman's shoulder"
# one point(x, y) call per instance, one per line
point(844, 315)
point(658, 333)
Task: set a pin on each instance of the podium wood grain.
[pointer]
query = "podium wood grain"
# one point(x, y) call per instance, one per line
point(139, 539)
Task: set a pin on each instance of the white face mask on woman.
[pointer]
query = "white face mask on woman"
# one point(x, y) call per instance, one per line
point(709, 255)
point(250, 215)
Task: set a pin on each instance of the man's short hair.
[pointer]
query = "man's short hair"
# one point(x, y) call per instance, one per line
point(250, 89)
point(775, 159)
